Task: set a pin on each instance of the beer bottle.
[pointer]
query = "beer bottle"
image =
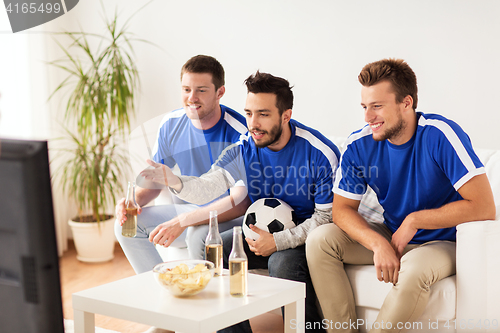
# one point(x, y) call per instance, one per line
point(238, 266)
point(129, 228)
point(213, 244)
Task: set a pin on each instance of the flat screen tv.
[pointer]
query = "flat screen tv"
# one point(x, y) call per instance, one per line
point(30, 290)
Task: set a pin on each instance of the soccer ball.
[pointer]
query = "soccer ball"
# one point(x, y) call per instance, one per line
point(269, 214)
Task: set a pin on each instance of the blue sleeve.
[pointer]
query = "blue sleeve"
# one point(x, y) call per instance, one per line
point(231, 160)
point(349, 182)
point(451, 149)
point(162, 154)
point(323, 195)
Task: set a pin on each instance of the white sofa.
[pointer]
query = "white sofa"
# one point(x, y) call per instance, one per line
point(468, 301)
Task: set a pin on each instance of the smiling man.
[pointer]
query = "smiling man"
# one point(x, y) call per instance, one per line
point(278, 158)
point(428, 180)
point(191, 138)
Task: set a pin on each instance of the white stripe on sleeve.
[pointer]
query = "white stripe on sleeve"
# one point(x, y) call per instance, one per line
point(365, 131)
point(457, 145)
point(318, 144)
point(323, 206)
point(239, 127)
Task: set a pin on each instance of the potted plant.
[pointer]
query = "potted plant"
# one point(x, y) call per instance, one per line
point(102, 84)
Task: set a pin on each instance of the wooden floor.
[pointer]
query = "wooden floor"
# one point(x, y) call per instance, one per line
point(77, 276)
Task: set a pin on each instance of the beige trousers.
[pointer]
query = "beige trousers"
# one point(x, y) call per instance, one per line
point(328, 247)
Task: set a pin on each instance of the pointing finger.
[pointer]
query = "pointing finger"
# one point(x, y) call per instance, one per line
point(153, 163)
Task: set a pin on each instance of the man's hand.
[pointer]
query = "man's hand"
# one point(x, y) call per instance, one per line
point(165, 233)
point(386, 263)
point(160, 173)
point(120, 211)
point(403, 236)
point(264, 245)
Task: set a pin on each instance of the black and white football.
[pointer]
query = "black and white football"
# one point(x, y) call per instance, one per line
point(269, 214)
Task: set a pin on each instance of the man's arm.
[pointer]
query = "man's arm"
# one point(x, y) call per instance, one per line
point(268, 243)
point(143, 196)
point(228, 208)
point(291, 238)
point(197, 190)
point(477, 205)
point(345, 216)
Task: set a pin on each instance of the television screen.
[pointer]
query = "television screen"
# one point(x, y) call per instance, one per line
point(30, 291)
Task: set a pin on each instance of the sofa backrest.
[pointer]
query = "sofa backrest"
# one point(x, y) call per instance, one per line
point(491, 161)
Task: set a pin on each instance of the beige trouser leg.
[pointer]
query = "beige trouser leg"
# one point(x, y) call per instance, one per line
point(328, 248)
point(420, 269)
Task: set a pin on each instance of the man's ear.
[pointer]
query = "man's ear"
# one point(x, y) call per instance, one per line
point(287, 115)
point(408, 102)
point(220, 92)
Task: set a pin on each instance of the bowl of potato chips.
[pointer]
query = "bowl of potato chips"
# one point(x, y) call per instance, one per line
point(184, 277)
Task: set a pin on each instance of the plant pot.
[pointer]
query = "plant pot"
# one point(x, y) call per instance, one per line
point(94, 241)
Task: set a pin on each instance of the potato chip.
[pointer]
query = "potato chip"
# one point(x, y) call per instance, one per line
point(184, 281)
point(198, 268)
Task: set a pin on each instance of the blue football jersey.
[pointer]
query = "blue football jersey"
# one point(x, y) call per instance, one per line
point(424, 173)
point(194, 150)
point(301, 174)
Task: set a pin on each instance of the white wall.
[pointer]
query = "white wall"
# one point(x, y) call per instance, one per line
point(453, 46)
point(23, 83)
point(320, 46)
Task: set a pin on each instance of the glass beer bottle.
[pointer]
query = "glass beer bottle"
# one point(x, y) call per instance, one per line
point(238, 266)
point(129, 228)
point(213, 244)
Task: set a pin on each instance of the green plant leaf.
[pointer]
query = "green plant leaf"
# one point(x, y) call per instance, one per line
point(103, 83)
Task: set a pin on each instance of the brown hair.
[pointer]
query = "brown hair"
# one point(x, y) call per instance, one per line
point(205, 64)
point(396, 71)
point(267, 83)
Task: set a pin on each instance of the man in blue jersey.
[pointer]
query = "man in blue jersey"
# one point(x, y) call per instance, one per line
point(278, 158)
point(191, 138)
point(428, 180)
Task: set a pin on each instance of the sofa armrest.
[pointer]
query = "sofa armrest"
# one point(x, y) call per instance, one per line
point(478, 275)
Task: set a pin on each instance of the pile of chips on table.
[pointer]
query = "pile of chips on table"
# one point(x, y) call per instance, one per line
point(183, 281)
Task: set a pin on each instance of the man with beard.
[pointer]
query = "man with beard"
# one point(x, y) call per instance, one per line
point(278, 158)
point(428, 180)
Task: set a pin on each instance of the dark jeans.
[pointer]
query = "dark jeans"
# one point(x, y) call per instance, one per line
point(289, 264)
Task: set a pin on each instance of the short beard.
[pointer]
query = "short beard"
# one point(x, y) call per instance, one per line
point(393, 133)
point(274, 134)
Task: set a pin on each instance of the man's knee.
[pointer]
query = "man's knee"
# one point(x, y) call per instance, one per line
point(196, 234)
point(195, 240)
point(325, 239)
point(427, 264)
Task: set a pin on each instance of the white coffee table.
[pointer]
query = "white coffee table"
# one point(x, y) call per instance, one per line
point(140, 299)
